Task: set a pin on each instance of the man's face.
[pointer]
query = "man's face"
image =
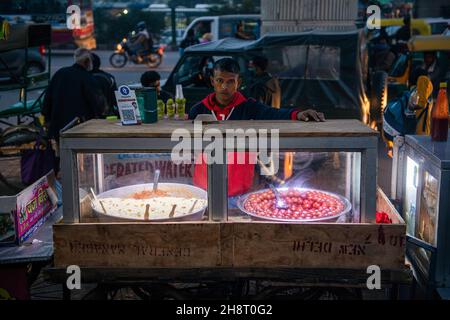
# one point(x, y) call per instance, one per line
point(225, 84)
point(156, 85)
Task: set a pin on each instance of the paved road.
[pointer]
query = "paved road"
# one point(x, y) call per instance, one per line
point(129, 74)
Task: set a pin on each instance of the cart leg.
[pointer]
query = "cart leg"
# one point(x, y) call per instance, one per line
point(413, 289)
point(393, 292)
point(66, 292)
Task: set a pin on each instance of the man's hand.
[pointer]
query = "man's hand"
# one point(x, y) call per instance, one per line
point(310, 114)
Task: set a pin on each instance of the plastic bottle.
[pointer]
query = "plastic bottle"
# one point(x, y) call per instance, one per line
point(170, 109)
point(161, 109)
point(439, 115)
point(180, 102)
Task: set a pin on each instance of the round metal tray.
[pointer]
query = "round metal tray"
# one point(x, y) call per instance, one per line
point(347, 206)
point(174, 189)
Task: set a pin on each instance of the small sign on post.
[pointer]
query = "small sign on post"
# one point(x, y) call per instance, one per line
point(128, 106)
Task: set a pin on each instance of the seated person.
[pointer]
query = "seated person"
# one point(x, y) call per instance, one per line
point(201, 78)
point(241, 34)
point(151, 79)
point(431, 67)
point(227, 103)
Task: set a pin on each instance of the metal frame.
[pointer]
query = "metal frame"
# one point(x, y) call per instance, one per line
point(438, 273)
point(366, 146)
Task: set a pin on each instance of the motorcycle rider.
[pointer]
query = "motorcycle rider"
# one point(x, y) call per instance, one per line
point(142, 41)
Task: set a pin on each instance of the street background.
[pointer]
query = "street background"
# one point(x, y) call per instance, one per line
point(131, 73)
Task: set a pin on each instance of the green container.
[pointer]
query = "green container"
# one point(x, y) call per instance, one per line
point(148, 106)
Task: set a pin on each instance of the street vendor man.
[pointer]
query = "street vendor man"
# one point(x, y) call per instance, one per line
point(227, 103)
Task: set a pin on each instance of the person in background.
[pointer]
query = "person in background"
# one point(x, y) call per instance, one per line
point(241, 34)
point(72, 92)
point(264, 88)
point(207, 37)
point(152, 79)
point(404, 33)
point(190, 40)
point(383, 56)
point(107, 83)
point(432, 68)
point(142, 41)
point(409, 113)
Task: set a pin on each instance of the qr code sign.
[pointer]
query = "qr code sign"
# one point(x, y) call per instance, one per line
point(128, 115)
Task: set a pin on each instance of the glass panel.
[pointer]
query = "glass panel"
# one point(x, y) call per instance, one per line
point(200, 28)
point(323, 63)
point(410, 199)
point(426, 227)
point(309, 62)
point(287, 62)
point(196, 71)
point(123, 184)
point(228, 28)
point(315, 186)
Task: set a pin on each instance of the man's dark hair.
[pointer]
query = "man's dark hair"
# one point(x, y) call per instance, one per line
point(96, 62)
point(260, 62)
point(415, 74)
point(149, 77)
point(407, 20)
point(227, 65)
point(430, 53)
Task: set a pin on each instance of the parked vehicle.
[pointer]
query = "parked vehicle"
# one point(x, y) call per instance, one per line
point(16, 63)
point(166, 36)
point(323, 70)
point(221, 27)
point(438, 25)
point(24, 70)
point(406, 63)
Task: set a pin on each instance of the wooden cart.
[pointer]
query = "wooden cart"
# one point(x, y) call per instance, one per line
point(160, 259)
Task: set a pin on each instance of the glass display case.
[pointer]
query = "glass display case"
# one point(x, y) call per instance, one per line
point(120, 186)
point(421, 185)
point(320, 176)
point(232, 194)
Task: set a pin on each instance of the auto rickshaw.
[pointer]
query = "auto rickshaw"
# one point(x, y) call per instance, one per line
point(25, 37)
point(324, 70)
point(402, 72)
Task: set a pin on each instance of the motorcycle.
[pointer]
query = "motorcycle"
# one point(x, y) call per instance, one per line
point(153, 58)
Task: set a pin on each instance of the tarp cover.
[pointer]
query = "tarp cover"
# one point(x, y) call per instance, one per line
point(27, 35)
point(324, 70)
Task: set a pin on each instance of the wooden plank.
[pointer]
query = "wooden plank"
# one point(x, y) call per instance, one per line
point(243, 244)
point(163, 129)
point(346, 277)
point(319, 245)
point(239, 243)
point(137, 245)
point(384, 205)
